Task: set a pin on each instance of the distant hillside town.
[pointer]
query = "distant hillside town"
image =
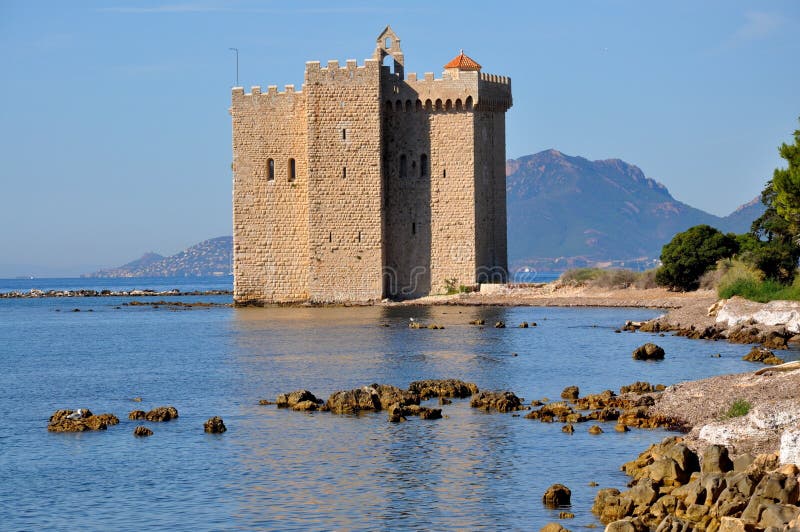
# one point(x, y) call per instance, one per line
point(210, 257)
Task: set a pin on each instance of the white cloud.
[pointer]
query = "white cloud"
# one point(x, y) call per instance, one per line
point(758, 25)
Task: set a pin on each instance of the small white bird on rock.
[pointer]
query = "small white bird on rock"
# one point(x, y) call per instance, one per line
point(78, 414)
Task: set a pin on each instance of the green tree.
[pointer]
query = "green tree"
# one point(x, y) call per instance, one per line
point(786, 186)
point(692, 253)
point(776, 231)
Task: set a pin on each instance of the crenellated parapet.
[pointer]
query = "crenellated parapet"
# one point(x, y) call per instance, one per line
point(335, 73)
point(466, 91)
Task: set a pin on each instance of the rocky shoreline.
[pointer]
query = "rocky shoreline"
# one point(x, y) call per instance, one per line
point(36, 294)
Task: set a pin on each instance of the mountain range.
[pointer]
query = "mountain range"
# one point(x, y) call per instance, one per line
point(563, 212)
point(568, 211)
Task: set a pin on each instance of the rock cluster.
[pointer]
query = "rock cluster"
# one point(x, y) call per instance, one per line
point(500, 401)
point(71, 421)
point(763, 355)
point(162, 413)
point(771, 337)
point(34, 293)
point(301, 400)
point(630, 411)
point(442, 388)
point(214, 425)
point(674, 489)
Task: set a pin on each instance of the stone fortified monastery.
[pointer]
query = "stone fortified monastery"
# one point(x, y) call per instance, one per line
point(369, 183)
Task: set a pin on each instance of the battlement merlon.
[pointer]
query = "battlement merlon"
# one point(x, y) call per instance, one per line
point(335, 73)
point(272, 92)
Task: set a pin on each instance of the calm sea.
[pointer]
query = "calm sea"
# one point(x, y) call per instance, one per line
point(283, 470)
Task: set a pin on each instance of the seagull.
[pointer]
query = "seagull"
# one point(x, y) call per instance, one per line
point(76, 415)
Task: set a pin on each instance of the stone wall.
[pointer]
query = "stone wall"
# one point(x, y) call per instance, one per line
point(345, 196)
point(270, 216)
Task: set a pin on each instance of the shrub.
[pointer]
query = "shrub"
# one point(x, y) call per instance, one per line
point(761, 291)
point(613, 278)
point(691, 253)
point(578, 276)
point(739, 408)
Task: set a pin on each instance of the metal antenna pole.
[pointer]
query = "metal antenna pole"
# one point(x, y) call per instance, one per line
point(237, 64)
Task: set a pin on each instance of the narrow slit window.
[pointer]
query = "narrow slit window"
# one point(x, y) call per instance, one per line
point(344, 172)
point(270, 169)
point(344, 134)
point(423, 165)
point(330, 237)
point(292, 170)
point(444, 173)
point(403, 166)
point(413, 228)
point(359, 236)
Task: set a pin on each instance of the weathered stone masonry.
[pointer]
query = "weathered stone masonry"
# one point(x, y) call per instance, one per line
point(369, 184)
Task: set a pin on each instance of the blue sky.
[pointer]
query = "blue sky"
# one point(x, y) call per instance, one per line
point(115, 133)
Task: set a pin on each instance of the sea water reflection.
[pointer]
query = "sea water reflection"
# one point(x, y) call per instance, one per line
point(277, 469)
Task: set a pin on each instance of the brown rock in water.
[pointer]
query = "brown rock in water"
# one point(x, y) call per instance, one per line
point(214, 425)
point(556, 411)
point(566, 515)
point(477, 322)
point(142, 431)
point(500, 325)
point(69, 421)
point(162, 413)
point(137, 414)
point(648, 351)
point(442, 388)
point(595, 429)
point(500, 401)
point(557, 495)
point(621, 428)
point(289, 400)
point(389, 395)
point(523, 325)
point(637, 387)
point(265, 402)
point(553, 527)
point(759, 354)
point(397, 413)
point(353, 401)
point(570, 393)
point(568, 428)
point(430, 413)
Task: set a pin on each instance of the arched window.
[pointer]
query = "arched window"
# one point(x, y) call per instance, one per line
point(458, 104)
point(448, 105)
point(403, 166)
point(398, 105)
point(439, 105)
point(408, 105)
point(469, 103)
point(388, 105)
point(270, 170)
point(428, 105)
point(423, 165)
point(292, 170)
point(419, 106)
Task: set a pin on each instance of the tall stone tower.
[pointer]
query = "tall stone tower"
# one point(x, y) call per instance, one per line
point(369, 184)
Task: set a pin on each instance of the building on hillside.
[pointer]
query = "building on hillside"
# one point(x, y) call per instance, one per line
point(369, 183)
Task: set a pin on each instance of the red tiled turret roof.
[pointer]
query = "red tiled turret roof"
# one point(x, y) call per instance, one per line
point(463, 62)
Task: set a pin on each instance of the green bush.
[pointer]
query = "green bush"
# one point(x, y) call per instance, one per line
point(739, 408)
point(580, 275)
point(691, 253)
point(761, 291)
point(613, 278)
